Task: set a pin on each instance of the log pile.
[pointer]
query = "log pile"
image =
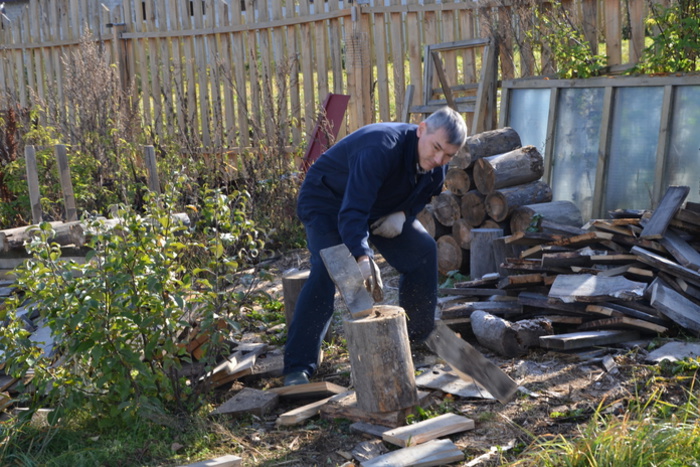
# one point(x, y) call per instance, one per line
point(495, 184)
point(609, 281)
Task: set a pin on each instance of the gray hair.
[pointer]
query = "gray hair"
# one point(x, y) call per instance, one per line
point(452, 122)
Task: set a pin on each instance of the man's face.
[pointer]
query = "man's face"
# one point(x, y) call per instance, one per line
point(433, 148)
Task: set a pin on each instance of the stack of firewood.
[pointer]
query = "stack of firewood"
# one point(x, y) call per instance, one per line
point(611, 280)
point(495, 184)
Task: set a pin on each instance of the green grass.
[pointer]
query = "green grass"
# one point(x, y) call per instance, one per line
point(651, 431)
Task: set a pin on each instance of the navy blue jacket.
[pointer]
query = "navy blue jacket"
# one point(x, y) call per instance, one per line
point(368, 174)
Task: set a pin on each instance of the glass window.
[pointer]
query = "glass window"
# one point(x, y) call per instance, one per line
point(683, 160)
point(576, 142)
point(632, 152)
point(528, 114)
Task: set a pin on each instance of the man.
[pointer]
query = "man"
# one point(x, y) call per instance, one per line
point(365, 189)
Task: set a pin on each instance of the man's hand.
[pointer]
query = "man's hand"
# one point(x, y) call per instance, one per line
point(372, 277)
point(389, 226)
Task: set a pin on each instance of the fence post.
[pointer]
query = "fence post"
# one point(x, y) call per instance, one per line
point(66, 184)
point(33, 183)
point(359, 68)
point(149, 153)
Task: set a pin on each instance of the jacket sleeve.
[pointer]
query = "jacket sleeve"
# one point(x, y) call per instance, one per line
point(368, 169)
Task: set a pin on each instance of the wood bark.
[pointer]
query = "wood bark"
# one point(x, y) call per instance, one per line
point(427, 219)
point(380, 359)
point(482, 259)
point(516, 167)
point(489, 143)
point(501, 203)
point(446, 208)
point(473, 207)
point(451, 257)
point(457, 181)
point(560, 212)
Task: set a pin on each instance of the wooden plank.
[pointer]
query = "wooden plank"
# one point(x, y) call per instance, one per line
point(71, 213)
point(613, 32)
point(686, 255)
point(662, 215)
point(666, 265)
point(634, 313)
point(427, 430)
point(345, 406)
point(249, 400)
point(590, 288)
point(33, 183)
point(302, 413)
point(465, 359)
point(583, 339)
point(369, 429)
point(674, 305)
point(432, 453)
point(623, 322)
point(310, 390)
point(228, 460)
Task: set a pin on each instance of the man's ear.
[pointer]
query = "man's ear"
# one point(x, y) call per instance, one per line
point(421, 129)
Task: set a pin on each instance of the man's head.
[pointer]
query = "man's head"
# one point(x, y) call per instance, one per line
point(440, 137)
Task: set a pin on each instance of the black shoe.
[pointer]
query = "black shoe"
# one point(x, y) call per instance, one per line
point(295, 378)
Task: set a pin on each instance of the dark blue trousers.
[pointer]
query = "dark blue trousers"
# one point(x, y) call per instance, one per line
point(413, 254)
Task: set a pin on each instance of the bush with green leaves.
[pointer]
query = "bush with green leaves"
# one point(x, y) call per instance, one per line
point(675, 43)
point(118, 318)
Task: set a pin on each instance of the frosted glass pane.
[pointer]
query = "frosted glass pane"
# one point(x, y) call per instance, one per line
point(632, 154)
point(528, 114)
point(576, 142)
point(683, 161)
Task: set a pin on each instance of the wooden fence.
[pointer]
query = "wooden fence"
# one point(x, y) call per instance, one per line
point(221, 70)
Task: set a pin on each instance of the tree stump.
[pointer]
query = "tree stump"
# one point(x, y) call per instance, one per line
point(380, 359)
point(489, 143)
point(501, 203)
point(292, 283)
point(473, 208)
point(482, 255)
point(512, 168)
point(559, 212)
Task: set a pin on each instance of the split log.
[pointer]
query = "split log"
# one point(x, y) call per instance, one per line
point(457, 181)
point(489, 143)
point(516, 167)
point(446, 208)
point(383, 377)
point(292, 283)
point(482, 259)
point(560, 212)
point(451, 257)
point(501, 203)
point(473, 207)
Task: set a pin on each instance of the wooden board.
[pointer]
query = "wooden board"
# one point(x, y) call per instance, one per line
point(666, 265)
point(228, 460)
point(674, 305)
point(662, 215)
point(432, 453)
point(309, 391)
point(346, 275)
point(301, 414)
point(345, 406)
point(686, 255)
point(427, 430)
point(249, 400)
point(465, 359)
point(623, 322)
point(579, 340)
point(590, 288)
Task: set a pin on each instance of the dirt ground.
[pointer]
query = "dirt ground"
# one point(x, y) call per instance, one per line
point(559, 391)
